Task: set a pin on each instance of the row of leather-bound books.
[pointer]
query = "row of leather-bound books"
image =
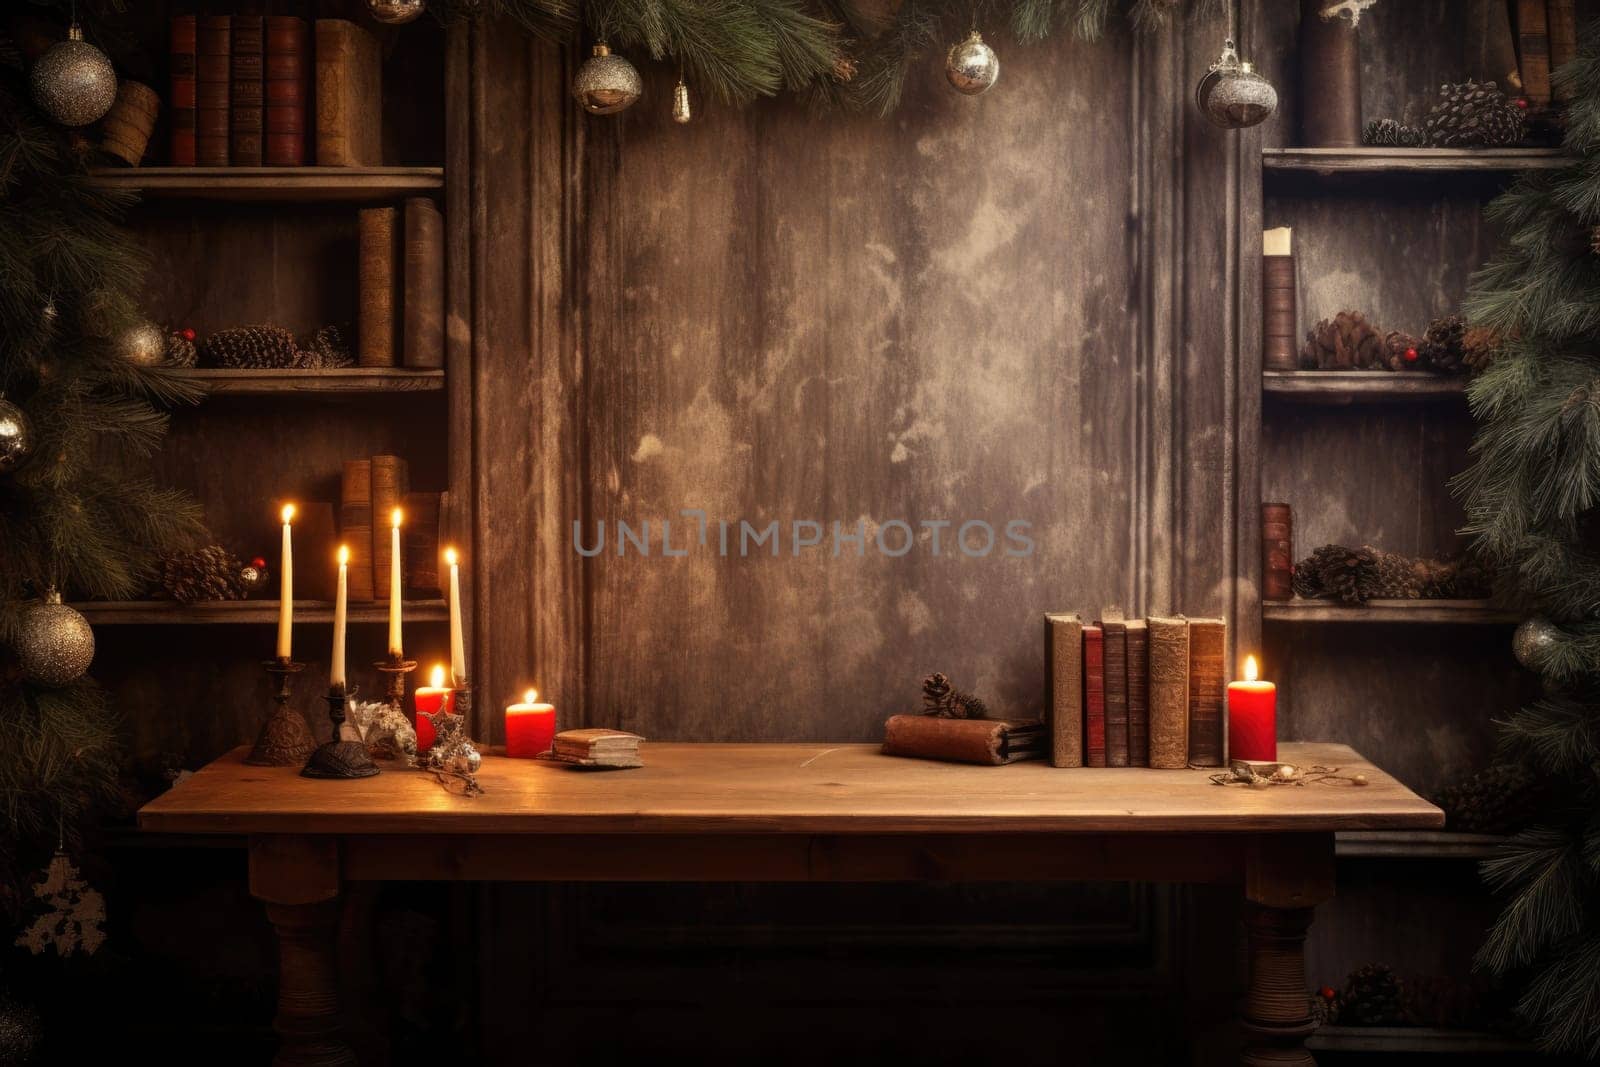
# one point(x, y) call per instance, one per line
point(244, 91)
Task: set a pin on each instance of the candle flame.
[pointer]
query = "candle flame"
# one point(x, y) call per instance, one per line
point(395, 518)
point(344, 555)
point(1250, 669)
point(288, 513)
point(530, 696)
point(450, 556)
point(438, 676)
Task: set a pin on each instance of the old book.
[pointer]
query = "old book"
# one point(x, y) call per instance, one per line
point(125, 131)
point(246, 103)
point(1094, 697)
point(1277, 552)
point(1561, 18)
point(1114, 634)
point(1280, 325)
point(1533, 51)
point(1138, 634)
point(316, 546)
point(389, 487)
point(355, 525)
point(349, 96)
point(213, 73)
point(422, 544)
point(287, 90)
point(1208, 642)
point(422, 308)
point(377, 256)
point(597, 748)
point(1169, 693)
point(989, 741)
point(181, 90)
point(1063, 647)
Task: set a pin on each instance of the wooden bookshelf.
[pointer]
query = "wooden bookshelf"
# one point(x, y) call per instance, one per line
point(1400, 1039)
point(1417, 845)
point(343, 380)
point(1341, 387)
point(1385, 611)
point(148, 612)
point(1327, 162)
point(275, 184)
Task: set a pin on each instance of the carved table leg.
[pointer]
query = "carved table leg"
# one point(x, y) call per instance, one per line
point(1285, 877)
point(298, 879)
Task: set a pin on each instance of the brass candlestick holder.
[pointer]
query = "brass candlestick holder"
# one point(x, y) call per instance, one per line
point(339, 758)
point(394, 690)
point(285, 740)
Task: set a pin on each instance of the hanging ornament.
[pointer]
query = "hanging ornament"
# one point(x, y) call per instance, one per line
point(143, 343)
point(16, 435)
point(971, 65)
point(1232, 95)
point(73, 82)
point(606, 84)
point(74, 912)
point(681, 112)
point(54, 643)
point(396, 12)
point(1533, 641)
point(49, 314)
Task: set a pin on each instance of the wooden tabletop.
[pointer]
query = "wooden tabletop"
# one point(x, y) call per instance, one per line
point(784, 788)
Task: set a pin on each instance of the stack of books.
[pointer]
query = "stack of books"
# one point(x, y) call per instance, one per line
point(596, 748)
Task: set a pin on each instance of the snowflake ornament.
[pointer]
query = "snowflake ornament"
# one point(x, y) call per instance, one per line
point(75, 912)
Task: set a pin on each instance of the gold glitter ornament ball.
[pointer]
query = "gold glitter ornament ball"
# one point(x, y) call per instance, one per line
point(16, 436)
point(971, 66)
point(606, 84)
point(55, 644)
point(73, 82)
point(143, 344)
point(396, 12)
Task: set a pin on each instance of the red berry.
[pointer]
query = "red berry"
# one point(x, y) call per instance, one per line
point(187, 333)
point(1326, 992)
point(1522, 102)
point(1411, 355)
point(258, 562)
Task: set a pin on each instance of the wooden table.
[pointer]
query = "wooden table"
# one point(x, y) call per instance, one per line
point(788, 812)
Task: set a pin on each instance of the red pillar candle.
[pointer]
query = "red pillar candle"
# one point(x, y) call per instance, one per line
point(530, 727)
point(432, 699)
point(1252, 717)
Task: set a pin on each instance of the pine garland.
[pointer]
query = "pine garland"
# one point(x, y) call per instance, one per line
point(75, 514)
point(829, 51)
point(1533, 506)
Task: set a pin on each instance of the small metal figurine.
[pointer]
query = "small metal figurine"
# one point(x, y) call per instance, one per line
point(394, 690)
point(285, 739)
point(339, 757)
point(453, 759)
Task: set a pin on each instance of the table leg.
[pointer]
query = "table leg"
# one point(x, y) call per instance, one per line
point(1285, 878)
point(298, 880)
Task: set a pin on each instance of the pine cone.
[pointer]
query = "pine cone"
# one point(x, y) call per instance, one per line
point(1402, 350)
point(251, 348)
point(1310, 574)
point(944, 701)
point(1479, 346)
point(1473, 115)
point(1443, 347)
point(327, 350)
point(210, 573)
point(1497, 800)
point(1373, 996)
point(180, 350)
point(1392, 133)
point(1397, 577)
point(1345, 342)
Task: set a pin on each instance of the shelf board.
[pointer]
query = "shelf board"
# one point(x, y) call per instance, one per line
point(1327, 162)
point(1417, 845)
point(344, 380)
point(1411, 1039)
point(131, 612)
point(1385, 611)
point(1342, 387)
point(274, 184)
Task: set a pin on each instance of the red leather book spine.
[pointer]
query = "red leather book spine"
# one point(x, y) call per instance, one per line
point(1277, 552)
point(245, 100)
point(213, 70)
point(288, 87)
point(1094, 697)
point(181, 90)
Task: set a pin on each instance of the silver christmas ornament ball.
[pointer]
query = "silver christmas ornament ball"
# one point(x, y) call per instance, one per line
point(396, 12)
point(143, 344)
point(74, 82)
point(16, 436)
point(971, 66)
point(1532, 642)
point(1233, 95)
point(55, 644)
point(606, 84)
